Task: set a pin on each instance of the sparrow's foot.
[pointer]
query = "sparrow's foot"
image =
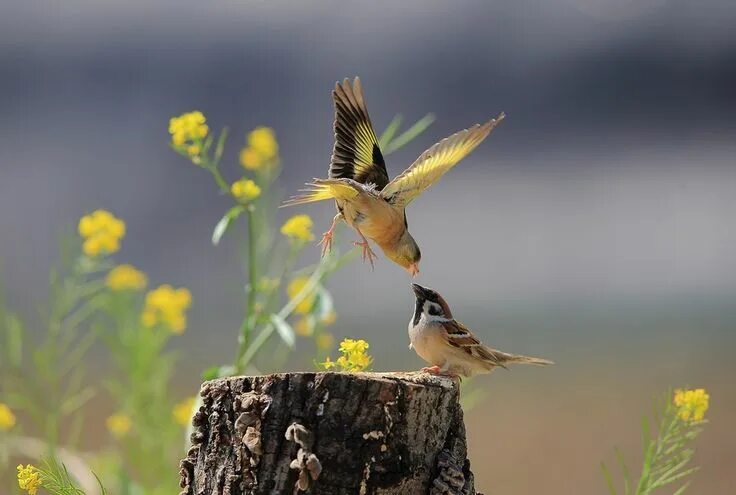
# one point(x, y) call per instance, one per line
point(368, 253)
point(432, 370)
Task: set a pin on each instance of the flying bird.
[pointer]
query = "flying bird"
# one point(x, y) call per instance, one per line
point(367, 200)
point(448, 345)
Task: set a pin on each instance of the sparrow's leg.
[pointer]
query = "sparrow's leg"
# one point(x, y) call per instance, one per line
point(432, 370)
point(326, 241)
point(368, 253)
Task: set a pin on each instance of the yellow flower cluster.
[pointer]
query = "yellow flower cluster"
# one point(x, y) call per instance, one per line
point(187, 132)
point(119, 425)
point(29, 479)
point(298, 228)
point(691, 404)
point(101, 232)
point(126, 277)
point(262, 149)
point(168, 306)
point(354, 357)
point(245, 190)
point(7, 418)
point(183, 411)
point(294, 288)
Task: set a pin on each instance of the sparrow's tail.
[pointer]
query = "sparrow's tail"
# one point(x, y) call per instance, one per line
point(515, 358)
point(321, 189)
point(500, 358)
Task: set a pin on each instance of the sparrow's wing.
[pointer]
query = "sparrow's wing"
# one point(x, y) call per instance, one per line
point(459, 336)
point(433, 163)
point(356, 154)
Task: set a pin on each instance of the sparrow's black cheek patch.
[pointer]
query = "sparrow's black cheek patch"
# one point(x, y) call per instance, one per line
point(418, 311)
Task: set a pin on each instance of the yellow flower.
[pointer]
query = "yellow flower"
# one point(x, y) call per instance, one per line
point(327, 364)
point(325, 341)
point(262, 149)
point(126, 277)
point(250, 159)
point(168, 306)
point(294, 288)
point(29, 479)
point(183, 411)
point(329, 319)
point(348, 346)
point(263, 141)
point(691, 404)
point(245, 190)
point(101, 232)
point(266, 284)
point(305, 326)
point(7, 418)
point(119, 425)
point(193, 150)
point(298, 228)
point(354, 356)
point(188, 127)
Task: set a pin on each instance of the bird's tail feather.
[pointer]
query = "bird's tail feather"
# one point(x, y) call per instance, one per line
point(322, 189)
point(516, 358)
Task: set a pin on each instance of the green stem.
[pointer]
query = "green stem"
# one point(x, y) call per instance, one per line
point(221, 183)
point(248, 323)
point(319, 273)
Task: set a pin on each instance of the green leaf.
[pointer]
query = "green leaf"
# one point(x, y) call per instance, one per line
point(225, 222)
point(284, 329)
point(215, 372)
point(419, 127)
point(14, 340)
point(390, 131)
point(609, 479)
point(324, 304)
point(219, 148)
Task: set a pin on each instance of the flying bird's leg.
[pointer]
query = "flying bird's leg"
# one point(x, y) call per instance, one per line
point(368, 253)
point(326, 241)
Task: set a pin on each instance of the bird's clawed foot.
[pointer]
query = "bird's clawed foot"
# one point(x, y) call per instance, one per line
point(326, 241)
point(367, 253)
point(432, 370)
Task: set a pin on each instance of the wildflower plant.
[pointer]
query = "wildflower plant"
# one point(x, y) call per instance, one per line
point(679, 418)
point(354, 357)
point(268, 256)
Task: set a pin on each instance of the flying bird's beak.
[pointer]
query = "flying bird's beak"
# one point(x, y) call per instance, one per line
point(419, 291)
point(413, 269)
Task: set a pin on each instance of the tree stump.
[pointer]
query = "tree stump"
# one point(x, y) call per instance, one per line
point(328, 434)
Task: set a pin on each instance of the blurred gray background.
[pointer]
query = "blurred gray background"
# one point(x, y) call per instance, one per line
point(595, 227)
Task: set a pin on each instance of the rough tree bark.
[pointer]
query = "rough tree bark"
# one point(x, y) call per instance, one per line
point(329, 433)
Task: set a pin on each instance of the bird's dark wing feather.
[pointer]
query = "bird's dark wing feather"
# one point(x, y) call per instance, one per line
point(356, 154)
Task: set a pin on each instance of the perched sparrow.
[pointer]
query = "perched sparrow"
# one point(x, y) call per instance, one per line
point(449, 346)
point(358, 182)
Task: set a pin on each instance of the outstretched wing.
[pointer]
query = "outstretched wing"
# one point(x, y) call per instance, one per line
point(356, 154)
point(433, 163)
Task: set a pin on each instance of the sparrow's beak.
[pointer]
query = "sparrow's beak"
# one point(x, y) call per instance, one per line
point(419, 291)
point(413, 269)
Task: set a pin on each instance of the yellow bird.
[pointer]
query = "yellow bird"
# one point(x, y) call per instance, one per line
point(358, 181)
